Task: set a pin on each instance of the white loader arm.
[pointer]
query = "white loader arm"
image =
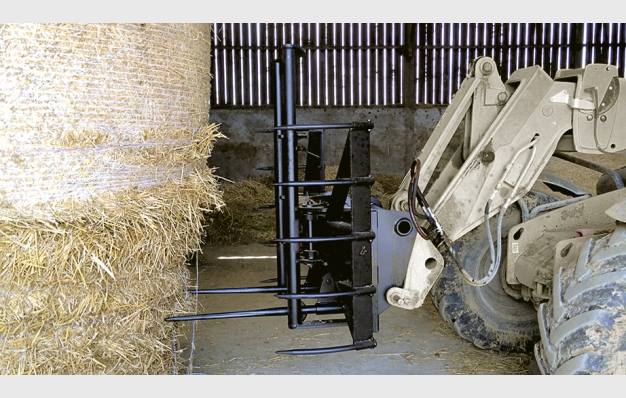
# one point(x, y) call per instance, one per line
point(511, 132)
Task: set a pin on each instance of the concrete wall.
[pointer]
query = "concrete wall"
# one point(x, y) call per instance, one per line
point(397, 137)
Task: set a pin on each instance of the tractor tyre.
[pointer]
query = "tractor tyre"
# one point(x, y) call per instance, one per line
point(487, 316)
point(583, 326)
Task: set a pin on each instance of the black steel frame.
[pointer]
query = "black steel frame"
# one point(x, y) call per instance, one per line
point(330, 232)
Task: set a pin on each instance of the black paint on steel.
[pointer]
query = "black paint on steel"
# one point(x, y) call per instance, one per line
point(325, 232)
point(360, 314)
point(359, 345)
point(356, 292)
point(255, 289)
point(307, 215)
point(335, 126)
point(291, 193)
point(354, 248)
point(279, 120)
point(355, 181)
point(318, 310)
point(356, 236)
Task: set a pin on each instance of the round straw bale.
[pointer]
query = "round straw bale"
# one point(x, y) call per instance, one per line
point(104, 183)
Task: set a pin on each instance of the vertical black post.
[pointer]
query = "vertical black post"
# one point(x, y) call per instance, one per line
point(355, 163)
point(279, 120)
point(363, 318)
point(291, 202)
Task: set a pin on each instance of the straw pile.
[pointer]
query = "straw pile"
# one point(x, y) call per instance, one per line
point(104, 139)
point(244, 220)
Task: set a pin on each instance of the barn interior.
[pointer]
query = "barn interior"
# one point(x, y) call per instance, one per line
point(221, 198)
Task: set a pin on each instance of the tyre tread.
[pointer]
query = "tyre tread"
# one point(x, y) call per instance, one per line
point(579, 333)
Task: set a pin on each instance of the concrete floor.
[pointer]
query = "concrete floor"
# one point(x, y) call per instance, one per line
point(414, 342)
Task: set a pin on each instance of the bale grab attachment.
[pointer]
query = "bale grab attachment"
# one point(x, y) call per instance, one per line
point(328, 231)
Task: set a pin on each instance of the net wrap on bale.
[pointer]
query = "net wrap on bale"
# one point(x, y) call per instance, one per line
point(104, 140)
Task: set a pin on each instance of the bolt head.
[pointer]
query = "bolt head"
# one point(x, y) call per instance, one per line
point(590, 117)
point(488, 156)
point(487, 67)
point(547, 111)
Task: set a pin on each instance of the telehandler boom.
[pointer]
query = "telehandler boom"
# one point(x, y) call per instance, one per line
point(505, 245)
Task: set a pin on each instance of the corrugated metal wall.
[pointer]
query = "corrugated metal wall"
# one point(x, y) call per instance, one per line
point(396, 64)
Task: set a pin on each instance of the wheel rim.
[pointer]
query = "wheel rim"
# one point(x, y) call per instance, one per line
point(495, 299)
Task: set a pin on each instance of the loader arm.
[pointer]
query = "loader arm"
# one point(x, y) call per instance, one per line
point(511, 132)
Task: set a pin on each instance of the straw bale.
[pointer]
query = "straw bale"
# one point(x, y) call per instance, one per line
point(104, 185)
